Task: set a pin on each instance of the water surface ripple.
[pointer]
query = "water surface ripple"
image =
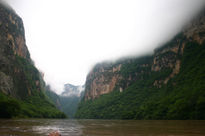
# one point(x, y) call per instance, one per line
point(42, 127)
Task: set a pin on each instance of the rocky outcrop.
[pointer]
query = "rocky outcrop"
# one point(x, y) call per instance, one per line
point(196, 29)
point(166, 62)
point(102, 80)
point(6, 84)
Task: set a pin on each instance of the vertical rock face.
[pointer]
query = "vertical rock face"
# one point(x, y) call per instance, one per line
point(21, 85)
point(169, 84)
point(12, 32)
point(196, 29)
point(18, 76)
point(107, 77)
point(102, 80)
point(6, 83)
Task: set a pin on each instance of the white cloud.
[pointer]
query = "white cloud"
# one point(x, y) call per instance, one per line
point(67, 37)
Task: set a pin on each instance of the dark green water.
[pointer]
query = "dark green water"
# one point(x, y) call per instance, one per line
point(42, 127)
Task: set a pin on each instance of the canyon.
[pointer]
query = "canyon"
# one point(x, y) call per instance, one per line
point(157, 86)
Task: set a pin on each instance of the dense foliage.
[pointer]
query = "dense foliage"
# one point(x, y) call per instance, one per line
point(31, 107)
point(183, 97)
point(26, 88)
point(69, 105)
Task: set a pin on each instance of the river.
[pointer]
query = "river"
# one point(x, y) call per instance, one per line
point(42, 127)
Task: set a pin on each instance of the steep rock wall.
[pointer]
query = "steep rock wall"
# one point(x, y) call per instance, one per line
point(18, 76)
point(102, 80)
point(107, 77)
point(12, 32)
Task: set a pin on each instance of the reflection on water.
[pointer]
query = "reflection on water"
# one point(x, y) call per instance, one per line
point(42, 127)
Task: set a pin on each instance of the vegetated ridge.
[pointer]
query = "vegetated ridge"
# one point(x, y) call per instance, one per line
point(170, 84)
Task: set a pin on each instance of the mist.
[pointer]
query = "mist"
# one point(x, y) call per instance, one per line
point(67, 38)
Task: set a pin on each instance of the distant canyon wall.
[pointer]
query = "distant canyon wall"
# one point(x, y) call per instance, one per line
point(107, 77)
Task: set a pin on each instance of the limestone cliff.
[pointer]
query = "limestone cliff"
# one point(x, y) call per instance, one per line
point(21, 85)
point(169, 84)
point(15, 63)
point(12, 43)
point(12, 32)
point(101, 80)
point(107, 77)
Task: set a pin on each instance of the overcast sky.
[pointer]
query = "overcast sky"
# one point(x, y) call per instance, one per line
point(67, 37)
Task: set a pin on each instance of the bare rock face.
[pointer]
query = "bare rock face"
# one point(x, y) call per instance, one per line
point(107, 77)
point(12, 32)
point(196, 29)
point(102, 80)
point(18, 75)
point(21, 84)
point(6, 84)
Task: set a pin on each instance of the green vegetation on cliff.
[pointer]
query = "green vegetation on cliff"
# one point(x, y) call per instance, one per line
point(183, 97)
point(32, 107)
point(67, 104)
point(21, 85)
point(27, 94)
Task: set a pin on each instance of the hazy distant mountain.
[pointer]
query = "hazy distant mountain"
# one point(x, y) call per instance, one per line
point(72, 90)
point(70, 98)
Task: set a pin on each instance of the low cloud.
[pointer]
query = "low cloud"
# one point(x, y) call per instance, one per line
point(66, 38)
